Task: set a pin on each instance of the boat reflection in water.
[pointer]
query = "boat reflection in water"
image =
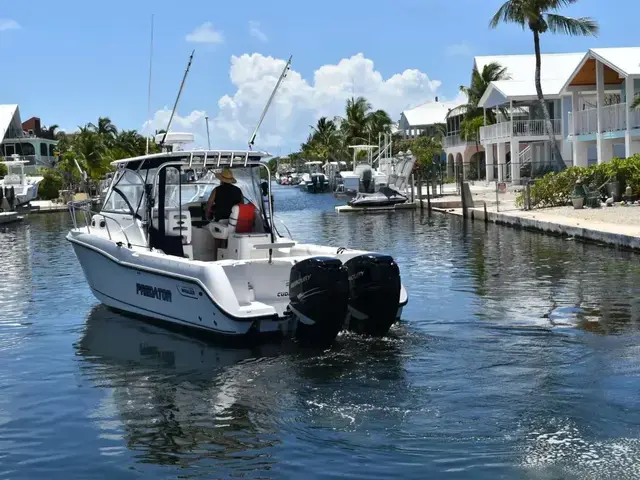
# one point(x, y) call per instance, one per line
point(176, 399)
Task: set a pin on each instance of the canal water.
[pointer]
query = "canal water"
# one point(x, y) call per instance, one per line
point(518, 356)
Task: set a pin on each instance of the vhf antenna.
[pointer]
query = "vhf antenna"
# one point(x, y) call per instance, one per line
point(273, 94)
point(175, 106)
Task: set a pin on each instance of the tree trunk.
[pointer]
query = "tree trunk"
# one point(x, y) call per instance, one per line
point(545, 111)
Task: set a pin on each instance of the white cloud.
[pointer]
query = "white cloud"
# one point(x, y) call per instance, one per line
point(205, 33)
point(8, 24)
point(299, 102)
point(256, 32)
point(458, 50)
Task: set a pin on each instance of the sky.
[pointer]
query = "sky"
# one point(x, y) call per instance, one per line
point(70, 62)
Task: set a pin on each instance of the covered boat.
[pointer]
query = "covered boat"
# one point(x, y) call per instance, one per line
point(152, 251)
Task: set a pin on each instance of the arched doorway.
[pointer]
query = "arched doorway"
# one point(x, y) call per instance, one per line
point(459, 172)
point(477, 166)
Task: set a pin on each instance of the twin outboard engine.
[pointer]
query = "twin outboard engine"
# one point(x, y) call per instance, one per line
point(324, 292)
point(366, 178)
point(10, 195)
point(318, 295)
point(374, 293)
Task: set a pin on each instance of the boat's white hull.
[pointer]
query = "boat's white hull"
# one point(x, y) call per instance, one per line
point(162, 296)
point(201, 295)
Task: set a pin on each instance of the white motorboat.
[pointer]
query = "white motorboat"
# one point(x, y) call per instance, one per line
point(150, 251)
point(19, 189)
point(314, 180)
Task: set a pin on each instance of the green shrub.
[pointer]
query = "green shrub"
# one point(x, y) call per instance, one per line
point(555, 189)
point(3, 169)
point(52, 182)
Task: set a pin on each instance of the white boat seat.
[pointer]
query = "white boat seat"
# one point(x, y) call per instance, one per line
point(178, 223)
point(242, 219)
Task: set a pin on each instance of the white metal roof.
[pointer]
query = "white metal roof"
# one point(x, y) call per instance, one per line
point(556, 68)
point(7, 114)
point(428, 113)
point(212, 156)
point(625, 60)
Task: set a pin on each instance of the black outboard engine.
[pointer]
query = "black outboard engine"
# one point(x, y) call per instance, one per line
point(318, 295)
point(314, 182)
point(366, 179)
point(10, 194)
point(374, 293)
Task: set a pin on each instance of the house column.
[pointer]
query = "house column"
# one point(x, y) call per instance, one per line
point(600, 101)
point(502, 160)
point(515, 160)
point(489, 163)
point(580, 154)
point(573, 128)
point(629, 96)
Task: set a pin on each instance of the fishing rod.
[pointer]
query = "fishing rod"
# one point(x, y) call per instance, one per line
point(149, 89)
point(273, 94)
point(175, 106)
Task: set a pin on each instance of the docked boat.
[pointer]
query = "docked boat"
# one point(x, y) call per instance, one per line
point(314, 180)
point(152, 251)
point(18, 188)
point(391, 191)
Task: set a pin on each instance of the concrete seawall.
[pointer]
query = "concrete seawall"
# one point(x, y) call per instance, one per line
point(622, 236)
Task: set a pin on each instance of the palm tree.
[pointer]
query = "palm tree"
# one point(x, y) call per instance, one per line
point(539, 16)
point(378, 122)
point(636, 103)
point(49, 132)
point(106, 129)
point(480, 81)
point(354, 125)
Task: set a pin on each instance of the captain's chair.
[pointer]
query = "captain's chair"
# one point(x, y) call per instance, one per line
point(240, 221)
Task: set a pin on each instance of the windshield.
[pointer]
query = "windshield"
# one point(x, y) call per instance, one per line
point(126, 193)
point(198, 184)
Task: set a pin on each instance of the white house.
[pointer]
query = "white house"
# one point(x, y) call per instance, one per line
point(422, 119)
point(518, 140)
point(599, 93)
point(20, 139)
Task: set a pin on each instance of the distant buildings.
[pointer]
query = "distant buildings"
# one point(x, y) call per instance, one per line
point(25, 140)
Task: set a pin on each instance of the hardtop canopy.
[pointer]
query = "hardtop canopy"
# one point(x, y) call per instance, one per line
point(200, 158)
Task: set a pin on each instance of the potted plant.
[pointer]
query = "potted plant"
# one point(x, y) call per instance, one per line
point(577, 201)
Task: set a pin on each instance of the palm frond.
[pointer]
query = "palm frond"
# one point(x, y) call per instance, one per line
point(636, 103)
point(582, 26)
point(511, 11)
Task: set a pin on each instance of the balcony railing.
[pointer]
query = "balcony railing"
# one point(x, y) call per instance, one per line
point(518, 128)
point(614, 118)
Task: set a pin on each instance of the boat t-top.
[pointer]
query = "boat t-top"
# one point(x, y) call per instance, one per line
point(152, 251)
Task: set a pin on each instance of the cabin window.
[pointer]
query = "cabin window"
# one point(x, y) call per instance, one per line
point(44, 152)
point(52, 149)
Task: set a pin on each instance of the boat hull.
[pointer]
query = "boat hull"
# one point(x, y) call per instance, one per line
point(162, 296)
point(188, 294)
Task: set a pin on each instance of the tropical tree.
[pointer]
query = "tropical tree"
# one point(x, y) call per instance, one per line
point(636, 103)
point(49, 132)
point(480, 81)
point(540, 17)
point(470, 129)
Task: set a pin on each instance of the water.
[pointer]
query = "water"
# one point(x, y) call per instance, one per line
point(518, 357)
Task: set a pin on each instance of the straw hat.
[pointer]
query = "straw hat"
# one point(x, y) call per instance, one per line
point(226, 176)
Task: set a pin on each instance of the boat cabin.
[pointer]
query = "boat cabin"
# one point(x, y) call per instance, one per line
point(160, 202)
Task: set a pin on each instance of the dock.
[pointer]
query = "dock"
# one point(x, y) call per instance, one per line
point(389, 208)
point(47, 206)
point(10, 217)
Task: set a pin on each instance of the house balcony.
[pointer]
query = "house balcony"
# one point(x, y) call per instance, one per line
point(455, 141)
point(614, 119)
point(522, 129)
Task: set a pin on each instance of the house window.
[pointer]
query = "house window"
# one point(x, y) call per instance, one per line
point(26, 149)
point(52, 149)
point(43, 150)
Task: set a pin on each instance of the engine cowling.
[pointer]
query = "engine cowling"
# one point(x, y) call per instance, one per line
point(374, 293)
point(318, 295)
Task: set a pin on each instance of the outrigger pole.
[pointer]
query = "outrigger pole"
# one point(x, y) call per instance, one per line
point(273, 94)
point(175, 105)
point(149, 89)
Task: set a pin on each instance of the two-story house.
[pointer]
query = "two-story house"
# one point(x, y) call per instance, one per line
point(598, 97)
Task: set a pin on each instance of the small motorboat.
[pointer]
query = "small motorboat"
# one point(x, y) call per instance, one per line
point(19, 189)
point(384, 197)
point(151, 251)
point(314, 181)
